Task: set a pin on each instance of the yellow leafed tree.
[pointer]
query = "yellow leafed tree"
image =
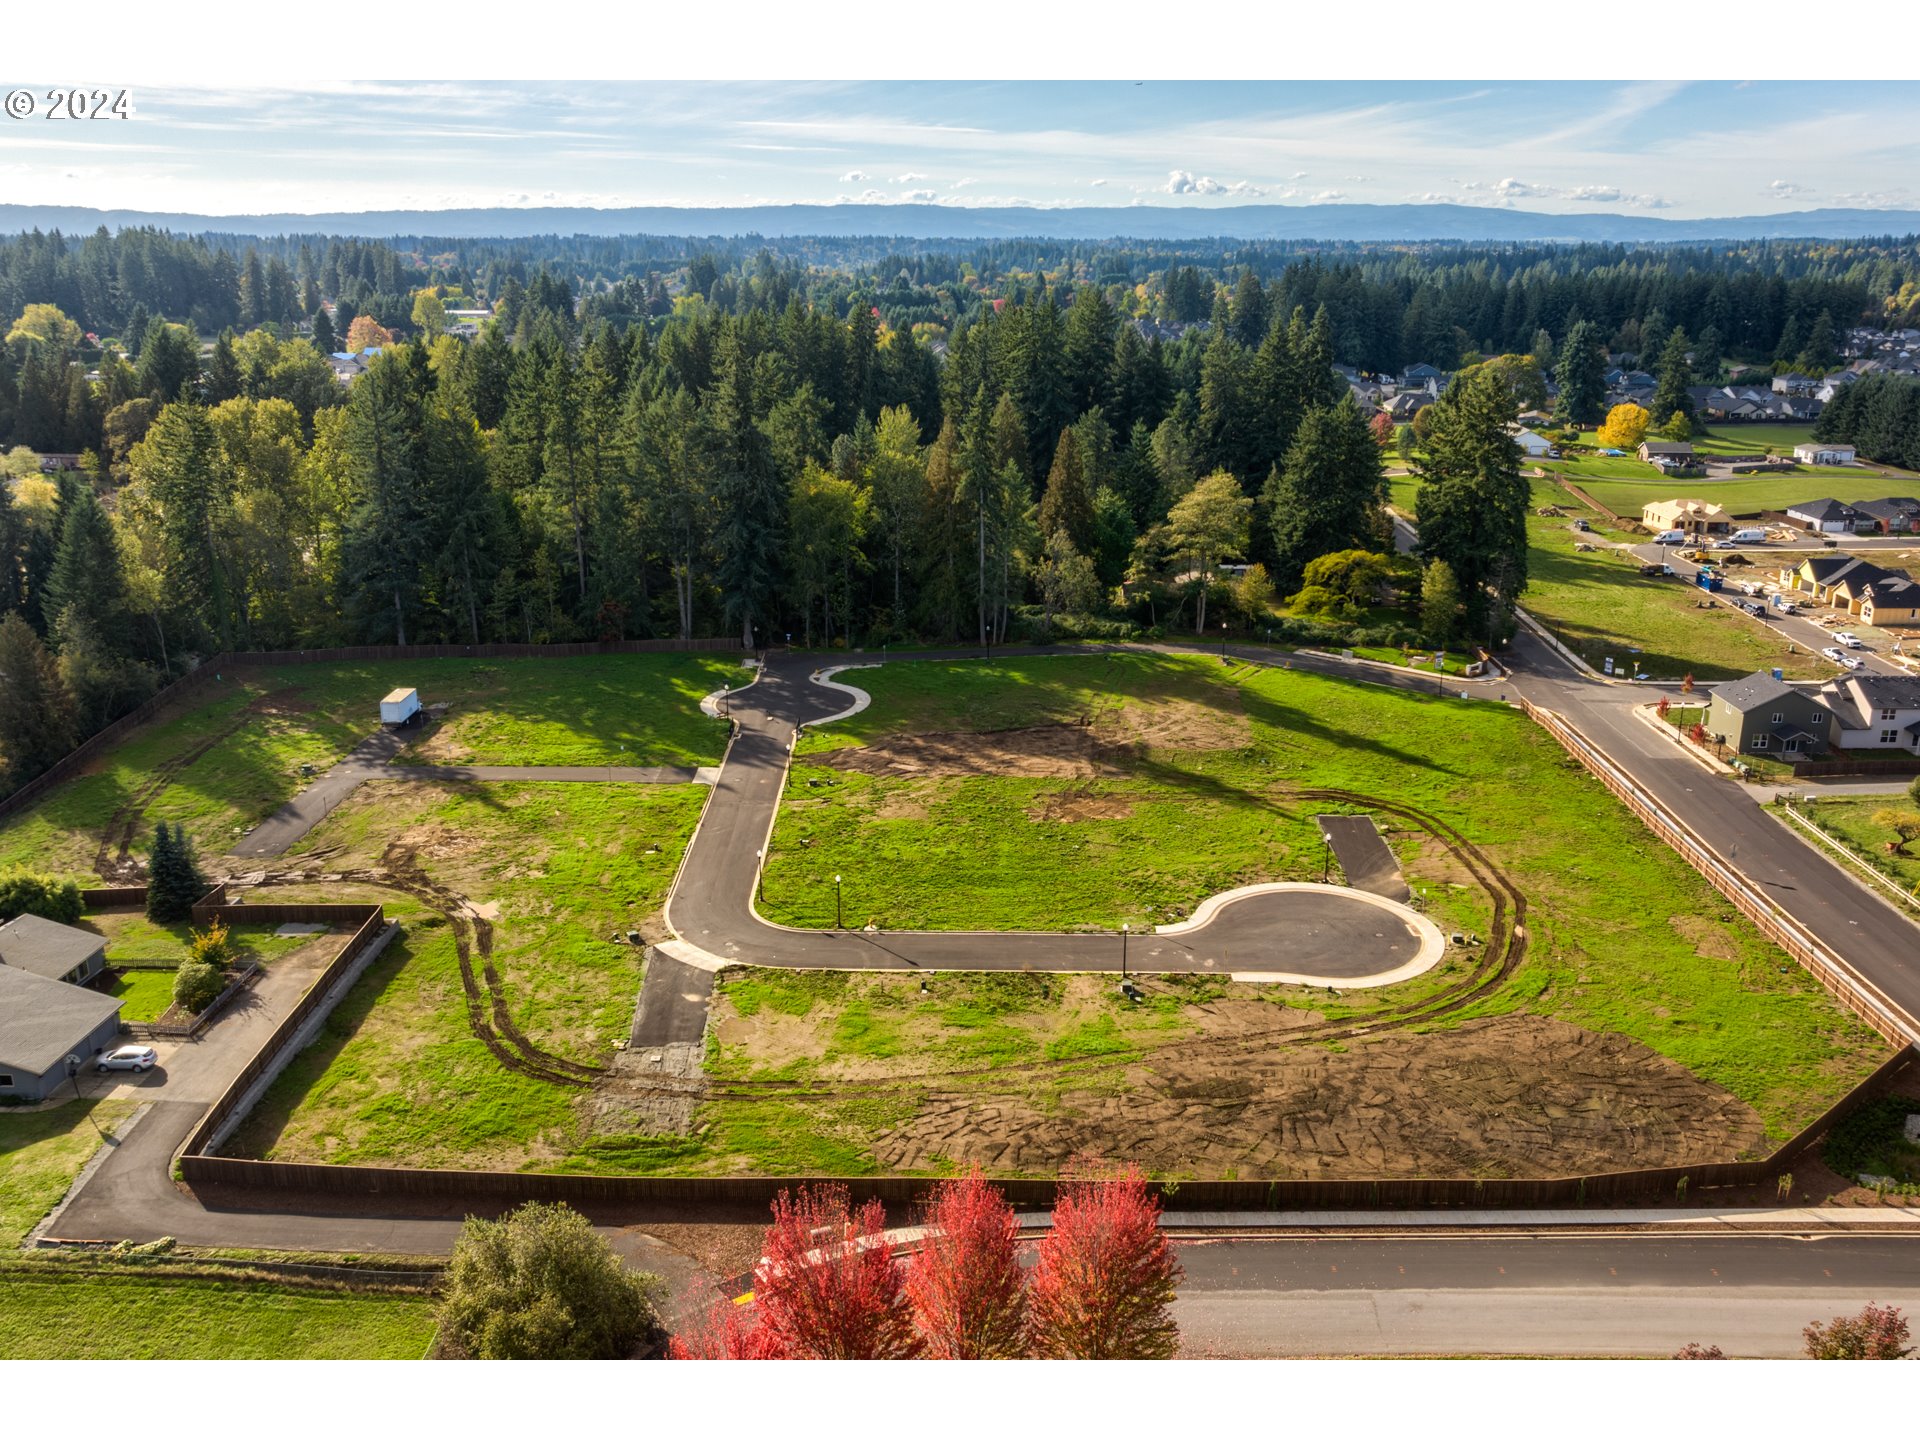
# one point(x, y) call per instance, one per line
point(1625, 428)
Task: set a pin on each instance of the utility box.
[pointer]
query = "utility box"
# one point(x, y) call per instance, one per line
point(402, 707)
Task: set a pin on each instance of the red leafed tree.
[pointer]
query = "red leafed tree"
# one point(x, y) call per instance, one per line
point(722, 1328)
point(1382, 430)
point(1103, 1287)
point(1878, 1332)
point(968, 1291)
point(1694, 1350)
point(827, 1287)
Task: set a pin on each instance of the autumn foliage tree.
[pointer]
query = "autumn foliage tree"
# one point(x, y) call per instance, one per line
point(365, 333)
point(1879, 1332)
point(966, 1286)
point(1103, 1286)
point(827, 1287)
point(1625, 427)
point(722, 1328)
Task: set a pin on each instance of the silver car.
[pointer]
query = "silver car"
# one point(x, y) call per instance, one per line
point(127, 1057)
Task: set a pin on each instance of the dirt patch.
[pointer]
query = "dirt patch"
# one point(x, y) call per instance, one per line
point(290, 701)
point(912, 801)
point(1177, 725)
point(1517, 1095)
point(1708, 937)
point(1067, 805)
point(1072, 751)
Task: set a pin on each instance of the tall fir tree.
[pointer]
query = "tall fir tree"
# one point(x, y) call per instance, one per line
point(1472, 503)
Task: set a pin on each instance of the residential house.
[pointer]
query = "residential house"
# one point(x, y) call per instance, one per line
point(1532, 444)
point(1407, 404)
point(44, 1024)
point(1841, 580)
point(55, 951)
point(1873, 712)
point(1824, 453)
point(1764, 716)
point(1424, 377)
point(1674, 452)
point(1696, 517)
point(1895, 515)
point(1794, 383)
point(1828, 517)
point(1879, 597)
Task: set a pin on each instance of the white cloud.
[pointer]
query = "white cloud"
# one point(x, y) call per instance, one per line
point(1785, 189)
point(855, 177)
point(1096, 184)
point(869, 196)
point(1329, 197)
point(918, 197)
point(962, 184)
point(1512, 189)
point(1185, 182)
point(906, 179)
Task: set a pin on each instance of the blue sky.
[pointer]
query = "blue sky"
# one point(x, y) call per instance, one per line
point(1705, 148)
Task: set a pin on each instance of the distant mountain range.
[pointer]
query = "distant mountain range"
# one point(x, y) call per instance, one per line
point(951, 222)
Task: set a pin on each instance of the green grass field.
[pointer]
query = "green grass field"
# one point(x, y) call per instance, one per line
point(1686, 977)
point(1851, 822)
point(1599, 605)
point(262, 725)
point(397, 1075)
point(109, 1316)
point(40, 1153)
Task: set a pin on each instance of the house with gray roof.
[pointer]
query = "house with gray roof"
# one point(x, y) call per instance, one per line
point(1828, 517)
point(51, 950)
point(1874, 712)
point(1895, 515)
point(1764, 716)
point(44, 1022)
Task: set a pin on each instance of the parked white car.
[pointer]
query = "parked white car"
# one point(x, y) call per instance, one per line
point(1852, 662)
point(1835, 654)
point(127, 1057)
point(1848, 639)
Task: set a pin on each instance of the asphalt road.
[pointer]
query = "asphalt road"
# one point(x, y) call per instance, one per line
point(1878, 941)
point(1325, 935)
point(1629, 1294)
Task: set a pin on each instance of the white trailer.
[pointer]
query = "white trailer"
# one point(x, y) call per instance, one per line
point(402, 707)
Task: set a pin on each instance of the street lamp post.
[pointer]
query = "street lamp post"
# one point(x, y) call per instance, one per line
point(1223, 642)
point(839, 916)
point(1123, 952)
point(73, 1074)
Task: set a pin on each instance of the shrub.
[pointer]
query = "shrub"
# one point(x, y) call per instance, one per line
point(541, 1285)
point(1878, 1332)
point(213, 945)
point(196, 985)
point(27, 892)
point(1694, 1350)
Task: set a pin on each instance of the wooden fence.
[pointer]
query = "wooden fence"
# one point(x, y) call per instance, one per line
point(100, 743)
point(1804, 768)
point(115, 897)
point(1850, 988)
point(368, 921)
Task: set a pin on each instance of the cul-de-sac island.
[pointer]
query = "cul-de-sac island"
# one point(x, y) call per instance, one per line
point(606, 737)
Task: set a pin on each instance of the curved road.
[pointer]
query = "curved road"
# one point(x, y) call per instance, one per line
point(1317, 935)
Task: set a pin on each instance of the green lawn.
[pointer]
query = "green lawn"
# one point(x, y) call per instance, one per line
point(1850, 821)
point(1627, 494)
point(397, 1076)
point(144, 995)
point(96, 1316)
point(259, 726)
point(40, 1154)
point(1685, 976)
